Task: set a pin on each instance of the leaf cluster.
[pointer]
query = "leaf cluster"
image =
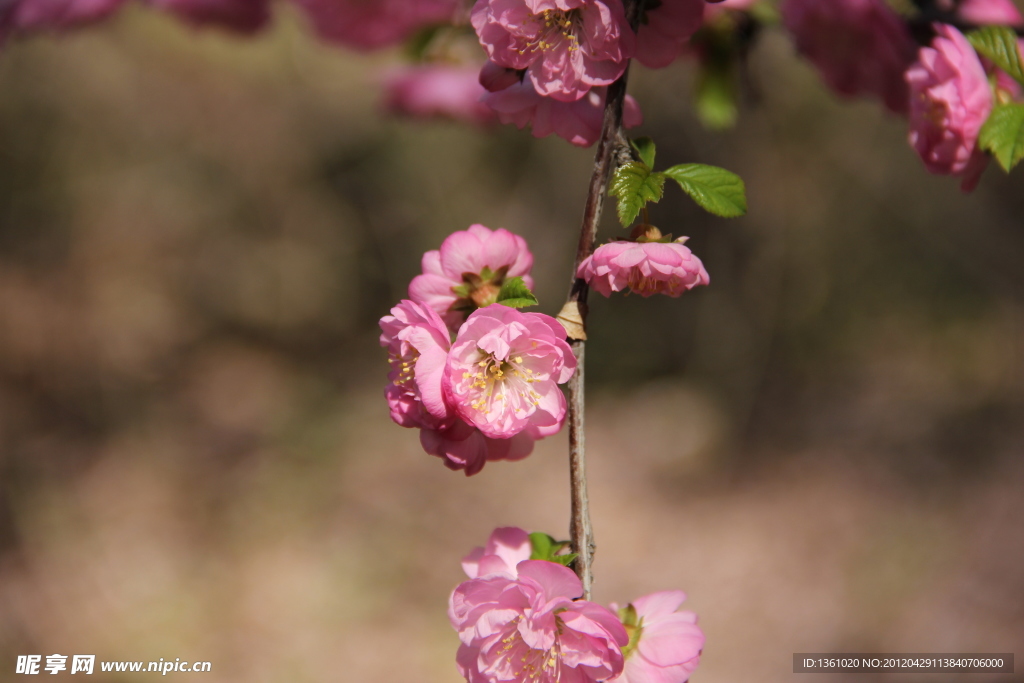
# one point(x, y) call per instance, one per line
point(1003, 132)
point(636, 183)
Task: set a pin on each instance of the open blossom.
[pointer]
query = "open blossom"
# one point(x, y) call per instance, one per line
point(530, 628)
point(417, 342)
point(951, 99)
point(578, 122)
point(664, 645)
point(372, 24)
point(437, 91)
point(468, 270)
point(566, 46)
point(861, 47)
point(504, 369)
point(665, 30)
point(646, 268)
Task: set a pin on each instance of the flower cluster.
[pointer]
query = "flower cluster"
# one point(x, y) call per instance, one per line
point(493, 391)
point(862, 47)
point(522, 619)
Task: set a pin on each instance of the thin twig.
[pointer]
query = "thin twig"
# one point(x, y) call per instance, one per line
point(610, 146)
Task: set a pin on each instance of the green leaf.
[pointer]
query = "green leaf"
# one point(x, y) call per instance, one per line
point(546, 548)
point(565, 560)
point(516, 294)
point(1003, 135)
point(635, 185)
point(716, 190)
point(999, 43)
point(543, 546)
point(716, 96)
point(645, 148)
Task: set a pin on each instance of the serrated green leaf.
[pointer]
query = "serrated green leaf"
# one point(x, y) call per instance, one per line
point(516, 294)
point(716, 190)
point(645, 148)
point(715, 96)
point(543, 546)
point(1003, 135)
point(635, 185)
point(999, 43)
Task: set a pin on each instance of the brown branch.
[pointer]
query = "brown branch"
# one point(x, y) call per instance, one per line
point(610, 148)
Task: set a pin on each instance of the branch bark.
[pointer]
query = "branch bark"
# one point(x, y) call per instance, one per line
point(612, 148)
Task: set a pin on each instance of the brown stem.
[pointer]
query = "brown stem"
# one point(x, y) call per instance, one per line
point(612, 149)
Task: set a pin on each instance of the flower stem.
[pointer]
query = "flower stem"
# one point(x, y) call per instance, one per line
point(612, 149)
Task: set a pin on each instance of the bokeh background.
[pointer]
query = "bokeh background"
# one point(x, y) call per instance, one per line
point(198, 234)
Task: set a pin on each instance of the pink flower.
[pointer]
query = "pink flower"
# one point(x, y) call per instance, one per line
point(437, 91)
point(665, 30)
point(664, 645)
point(417, 342)
point(372, 24)
point(566, 46)
point(464, 447)
point(994, 12)
point(530, 628)
point(950, 101)
point(861, 47)
point(578, 122)
point(468, 271)
point(245, 16)
point(36, 15)
point(645, 267)
point(505, 549)
point(504, 369)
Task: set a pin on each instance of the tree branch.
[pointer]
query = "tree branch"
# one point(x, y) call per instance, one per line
point(610, 147)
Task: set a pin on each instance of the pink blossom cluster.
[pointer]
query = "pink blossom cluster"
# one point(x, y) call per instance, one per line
point(523, 620)
point(550, 61)
point(493, 391)
point(862, 47)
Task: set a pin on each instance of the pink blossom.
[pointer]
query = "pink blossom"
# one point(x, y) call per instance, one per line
point(645, 267)
point(505, 549)
point(664, 645)
point(437, 91)
point(566, 46)
point(530, 628)
point(468, 271)
point(994, 12)
point(950, 101)
point(372, 24)
point(245, 16)
point(578, 122)
point(464, 447)
point(665, 30)
point(861, 47)
point(504, 369)
point(37, 15)
point(417, 342)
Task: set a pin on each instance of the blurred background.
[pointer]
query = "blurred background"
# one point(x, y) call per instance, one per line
point(198, 234)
